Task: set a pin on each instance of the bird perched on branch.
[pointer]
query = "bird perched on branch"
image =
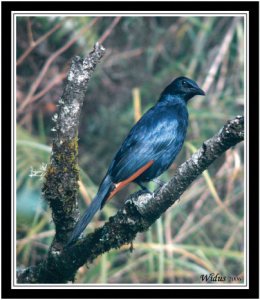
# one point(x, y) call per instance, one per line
point(149, 148)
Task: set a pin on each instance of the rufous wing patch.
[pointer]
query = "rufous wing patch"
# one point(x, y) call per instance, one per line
point(122, 184)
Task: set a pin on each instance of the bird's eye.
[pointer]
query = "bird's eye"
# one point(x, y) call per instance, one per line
point(185, 83)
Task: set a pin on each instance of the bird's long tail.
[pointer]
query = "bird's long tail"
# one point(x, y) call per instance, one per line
point(96, 204)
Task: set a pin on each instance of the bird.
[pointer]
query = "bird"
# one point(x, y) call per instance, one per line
point(148, 150)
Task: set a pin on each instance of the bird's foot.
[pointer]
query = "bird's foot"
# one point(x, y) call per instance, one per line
point(144, 192)
point(144, 189)
point(139, 200)
point(159, 182)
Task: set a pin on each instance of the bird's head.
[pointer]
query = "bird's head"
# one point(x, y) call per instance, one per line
point(183, 87)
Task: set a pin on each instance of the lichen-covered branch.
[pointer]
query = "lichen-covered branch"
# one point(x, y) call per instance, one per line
point(139, 212)
point(60, 187)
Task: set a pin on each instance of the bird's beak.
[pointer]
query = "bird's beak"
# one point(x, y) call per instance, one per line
point(199, 91)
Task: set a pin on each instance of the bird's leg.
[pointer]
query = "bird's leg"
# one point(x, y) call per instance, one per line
point(144, 188)
point(159, 182)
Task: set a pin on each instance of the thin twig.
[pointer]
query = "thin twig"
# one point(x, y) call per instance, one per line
point(109, 30)
point(202, 222)
point(189, 220)
point(175, 249)
point(34, 44)
point(36, 83)
point(116, 58)
point(29, 30)
point(219, 57)
point(84, 193)
point(36, 236)
point(55, 81)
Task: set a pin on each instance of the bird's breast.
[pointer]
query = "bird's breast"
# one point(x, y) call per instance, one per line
point(171, 140)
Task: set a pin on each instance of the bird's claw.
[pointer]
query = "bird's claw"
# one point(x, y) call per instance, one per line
point(159, 182)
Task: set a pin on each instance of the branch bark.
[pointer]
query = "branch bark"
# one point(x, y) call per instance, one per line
point(138, 214)
point(60, 188)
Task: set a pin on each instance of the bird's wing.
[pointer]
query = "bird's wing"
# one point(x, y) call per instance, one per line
point(146, 141)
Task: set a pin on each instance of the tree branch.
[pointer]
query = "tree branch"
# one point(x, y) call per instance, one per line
point(139, 212)
point(60, 188)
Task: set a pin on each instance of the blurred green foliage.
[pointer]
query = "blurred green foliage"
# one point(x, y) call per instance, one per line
point(202, 233)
